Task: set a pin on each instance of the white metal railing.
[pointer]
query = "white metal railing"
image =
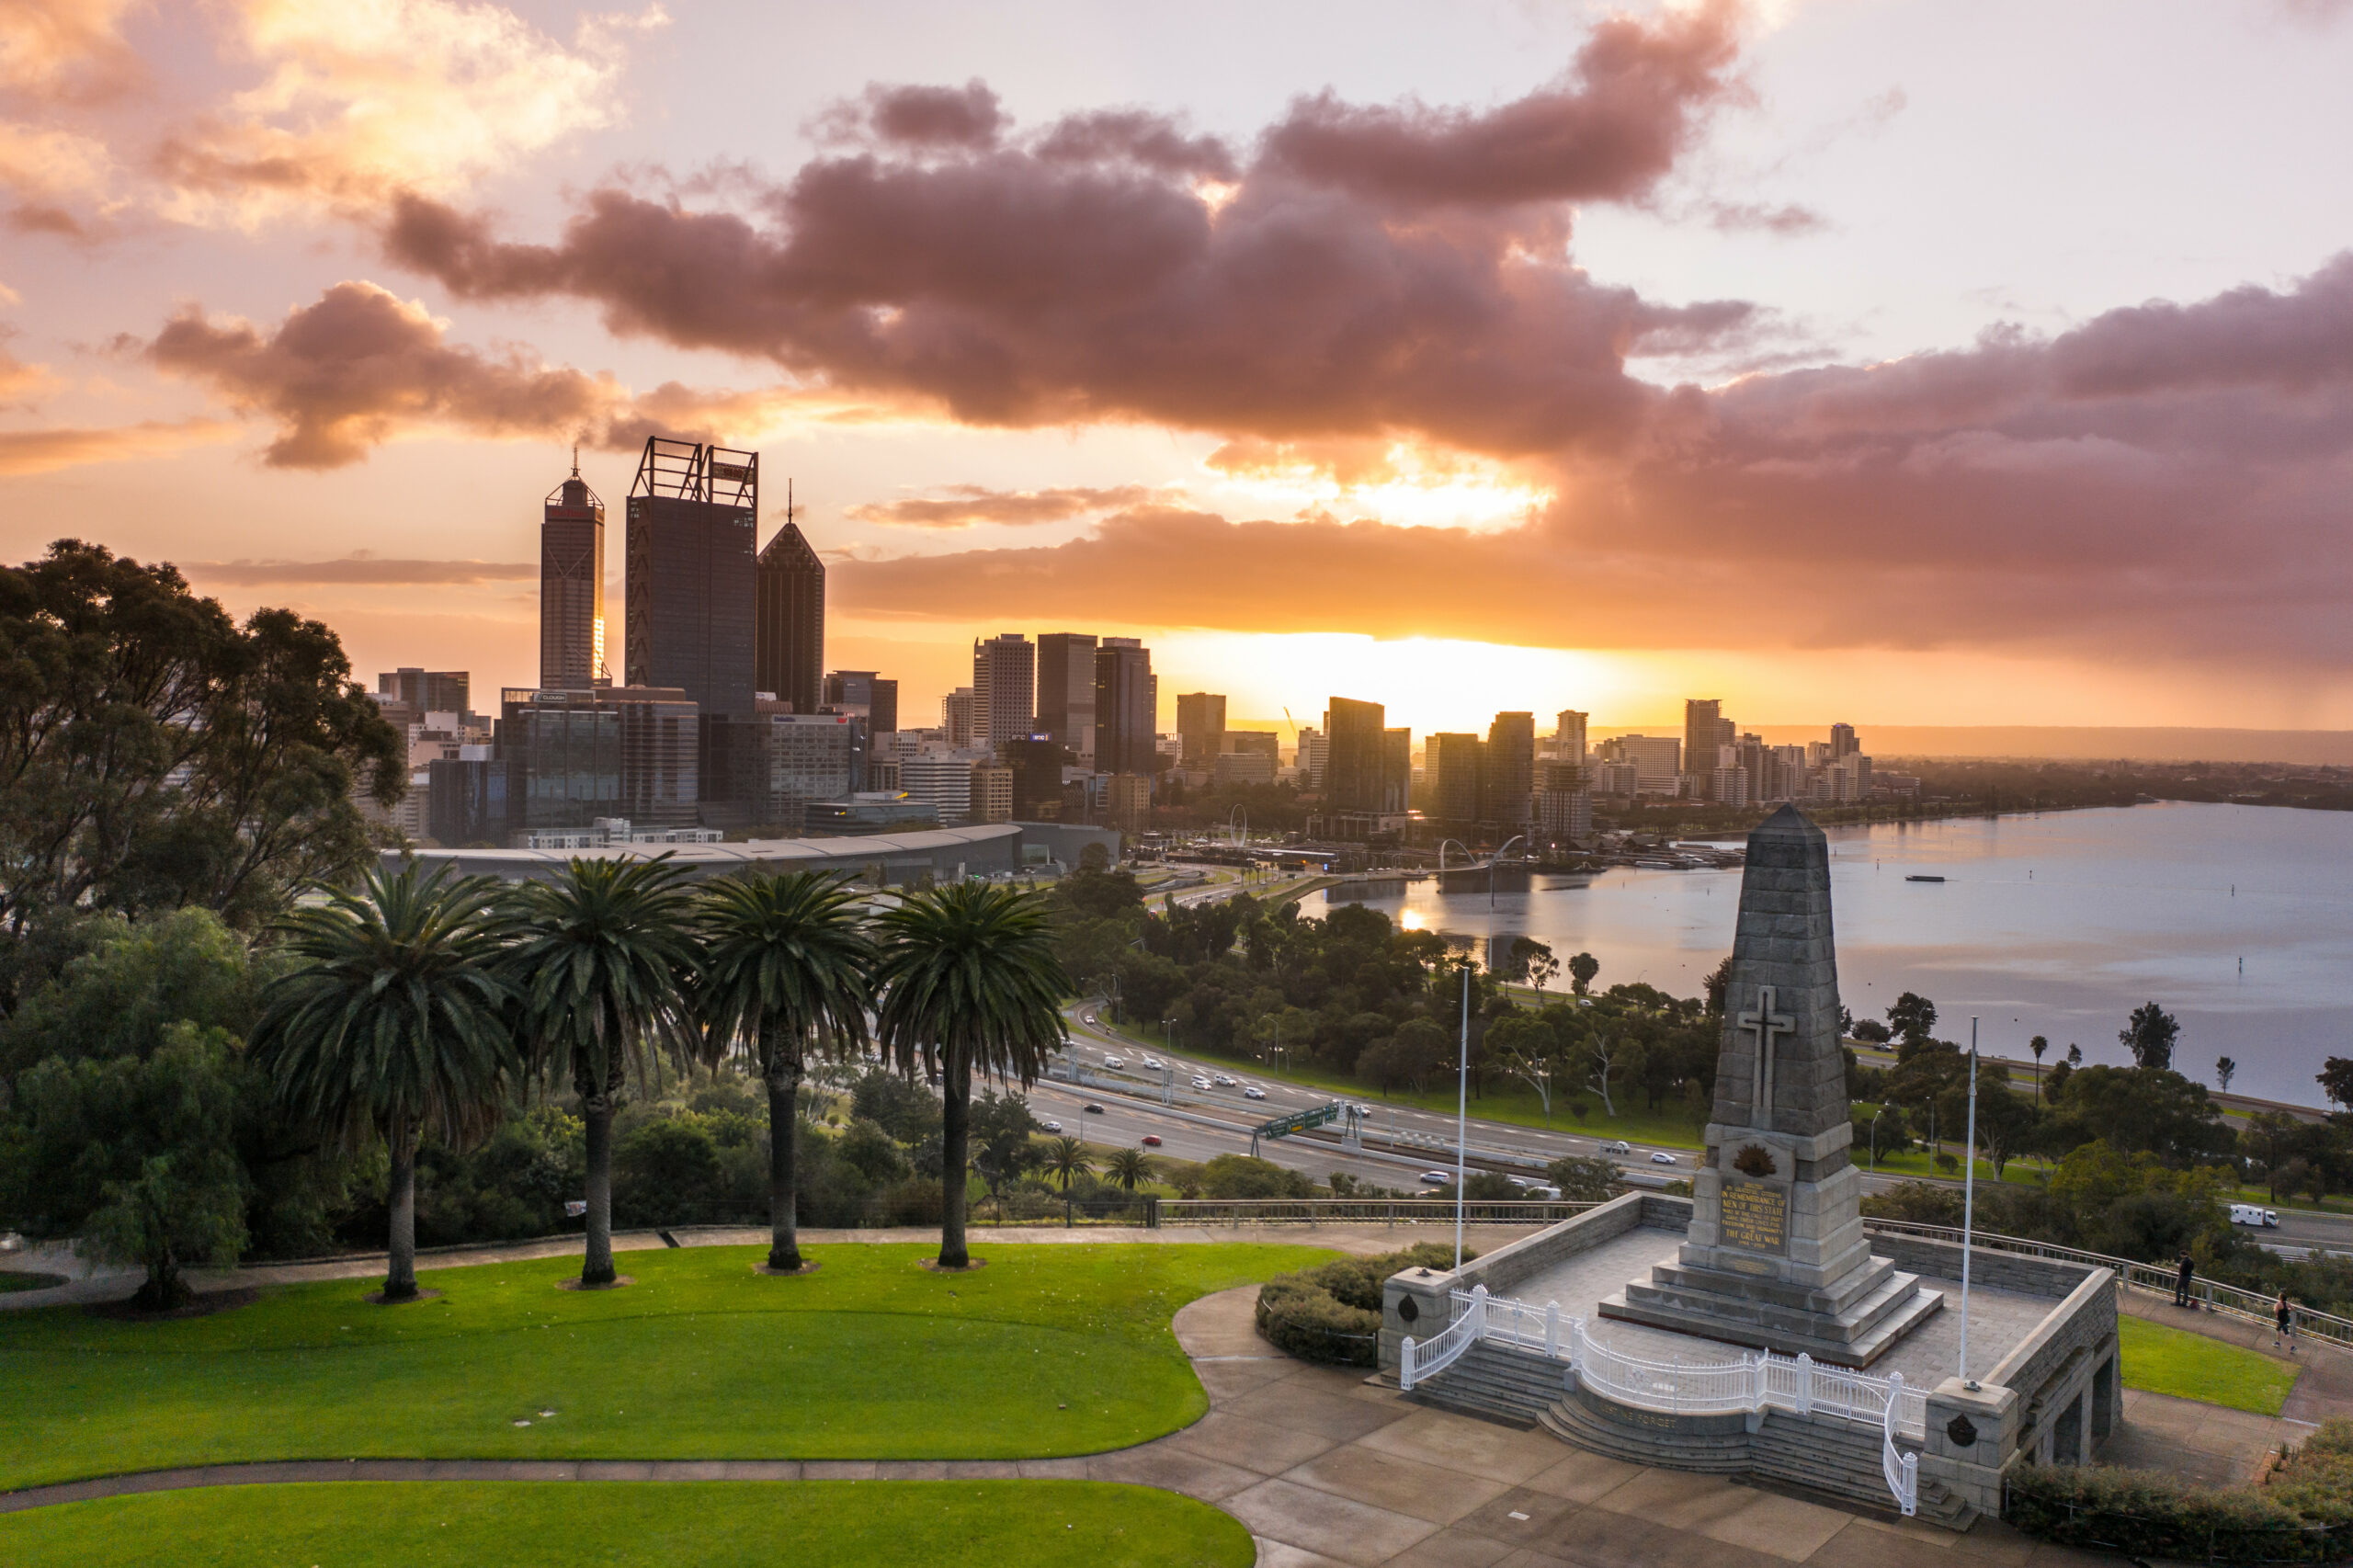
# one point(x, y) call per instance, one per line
point(1902, 1470)
point(1755, 1380)
point(1416, 1362)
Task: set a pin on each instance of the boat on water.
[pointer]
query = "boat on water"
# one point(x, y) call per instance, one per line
point(1918, 878)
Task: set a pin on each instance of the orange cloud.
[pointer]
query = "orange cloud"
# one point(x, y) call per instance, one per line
point(39, 452)
point(964, 505)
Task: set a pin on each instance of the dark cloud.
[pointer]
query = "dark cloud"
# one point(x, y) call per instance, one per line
point(361, 570)
point(964, 505)
point(967, 117)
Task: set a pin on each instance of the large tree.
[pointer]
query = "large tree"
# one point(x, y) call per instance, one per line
point(2150, 1036)
point(605, 964)
point(155, 754)
point(969, 983)
point(784, 980)
point(394, 1025)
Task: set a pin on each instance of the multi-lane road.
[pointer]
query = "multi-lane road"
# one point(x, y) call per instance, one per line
point(1398, 1143)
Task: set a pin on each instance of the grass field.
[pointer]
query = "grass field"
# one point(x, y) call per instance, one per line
point(1040, 1524)
point(2190, 1366)
point(1047, 1350)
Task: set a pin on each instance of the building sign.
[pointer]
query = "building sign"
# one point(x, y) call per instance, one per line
point(1756, 1215)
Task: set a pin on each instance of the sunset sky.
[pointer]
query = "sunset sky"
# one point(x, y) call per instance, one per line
point(1953, 363)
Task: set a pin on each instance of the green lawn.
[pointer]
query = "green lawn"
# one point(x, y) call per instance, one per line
point(2190, 1366)
point(1048, 1350)
point(1040, 1524)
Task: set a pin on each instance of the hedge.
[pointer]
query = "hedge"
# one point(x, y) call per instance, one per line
point(2146, 1512)
point(1331, 1313)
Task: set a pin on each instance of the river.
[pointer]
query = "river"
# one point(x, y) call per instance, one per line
point(2237, 919)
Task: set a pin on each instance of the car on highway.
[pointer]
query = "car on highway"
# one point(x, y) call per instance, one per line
point(1619, 1147)
point(1222, 1081)
point(1364, 1110)
point(1253, 1092)
point(1436, 1178)
point(1200, 1083)
point(1092, 1108)
point(1152, 1139)
point(1115, 1061)
point(1659, 1159)
point(1154, 1063)
point(1051, 1126)
point(2254, 1214)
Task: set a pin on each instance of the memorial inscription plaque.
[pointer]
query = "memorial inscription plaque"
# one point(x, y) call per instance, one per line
point(1755, 1216)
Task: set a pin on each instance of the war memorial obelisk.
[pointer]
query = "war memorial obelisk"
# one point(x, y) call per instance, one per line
point(1776, 1255)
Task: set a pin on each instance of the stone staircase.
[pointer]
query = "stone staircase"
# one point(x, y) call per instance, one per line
point(1823, 1455)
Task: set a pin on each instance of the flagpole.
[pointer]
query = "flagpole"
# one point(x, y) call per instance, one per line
point(1462, 1113)
point(1968, 1208)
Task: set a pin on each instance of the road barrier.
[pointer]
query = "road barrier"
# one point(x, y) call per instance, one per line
point(1361, 1210)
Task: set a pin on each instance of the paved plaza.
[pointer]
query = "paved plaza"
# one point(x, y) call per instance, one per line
point(1998, 1320)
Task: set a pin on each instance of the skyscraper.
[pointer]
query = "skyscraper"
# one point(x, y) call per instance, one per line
point(956, 717)
point(692, 512)
point(571, 587)
point(426, 691)
point(1353, 766)
point(1066, 692)
point(1704, 729)
point(872, 697)
point(1396, 770)
point(789, 619)
point(1843, 743)
point(1127, 702)
point(1507, 780)
point(1452, 763)
point(1568, 736)
point(1005, 688)
point(1201, 719)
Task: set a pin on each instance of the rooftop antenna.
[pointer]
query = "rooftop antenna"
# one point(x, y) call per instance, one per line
point(575, 459)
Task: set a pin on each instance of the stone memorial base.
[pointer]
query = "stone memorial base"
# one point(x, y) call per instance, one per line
point(1852, 1323)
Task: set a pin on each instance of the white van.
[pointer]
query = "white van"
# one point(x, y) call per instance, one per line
point(2254, 1214)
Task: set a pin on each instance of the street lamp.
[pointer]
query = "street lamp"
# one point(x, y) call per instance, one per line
point(1875, 1116)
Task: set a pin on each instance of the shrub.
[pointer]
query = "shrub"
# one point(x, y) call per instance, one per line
point(2144, 1513)
point(1331, 1313)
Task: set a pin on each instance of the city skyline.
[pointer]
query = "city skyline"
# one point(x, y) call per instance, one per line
point(1761, 358)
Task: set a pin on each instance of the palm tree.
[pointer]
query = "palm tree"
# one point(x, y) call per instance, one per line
point(1128, 1167)
point(395, 1027)
point(604, 967)
point(1066, 1158)
point(969, 983)
point(784, 976)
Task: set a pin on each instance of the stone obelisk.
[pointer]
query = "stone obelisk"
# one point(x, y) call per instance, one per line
point(1776, 1255)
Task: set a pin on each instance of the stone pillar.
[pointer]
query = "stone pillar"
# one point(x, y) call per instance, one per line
point(1987, 1418)
point(2104, 1400)
point(1420, 1302)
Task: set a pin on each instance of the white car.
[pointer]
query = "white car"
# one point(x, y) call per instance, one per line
point(1438, 1179)
point(1115, 1061)
point(1222, 1081)
point(1658, 1159)
point(1154, 1063)
point(1254, 1093)
point(1200, 1083)
point(1619, 1147)
point(1051, 1126)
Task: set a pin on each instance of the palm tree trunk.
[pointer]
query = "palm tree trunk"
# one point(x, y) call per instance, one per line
point(597, 1110)
point(400, 1273)
point(956, 1137)
point(784, 1137)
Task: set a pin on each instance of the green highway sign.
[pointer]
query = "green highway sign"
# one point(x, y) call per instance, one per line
point(1297, 1121)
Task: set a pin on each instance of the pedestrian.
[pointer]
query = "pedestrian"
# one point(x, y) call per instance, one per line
point(2181, 1279)
point(2284, 1323)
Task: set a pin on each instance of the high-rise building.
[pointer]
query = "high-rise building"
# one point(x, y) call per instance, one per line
point(466, 800)
point(992, 793)
point(1396, 770)
point(1704, 729)
point(1659, 760)
point(1128, 800)
point(1314, 758)
point(1568, 735)
point(571, 588)
point(572, 757)
point(1201, 719)
point(1037, 761)
point(692, 519)
point(789, 619)
point(869, 696)
point(1507, 774)
point(426, 691)
point(1127, 707)
point(1843, 742)
point(811, 756)
point(1066, 692)
point(1564, 800)
point(1451, 761)
point(1005, 688)
point(943, 782)
point(1354, 776)
point(956, 722)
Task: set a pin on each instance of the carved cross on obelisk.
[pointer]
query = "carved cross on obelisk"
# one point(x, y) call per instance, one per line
point(1765, 1023)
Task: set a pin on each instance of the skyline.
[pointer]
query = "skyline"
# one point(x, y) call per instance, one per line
point(1631, 354)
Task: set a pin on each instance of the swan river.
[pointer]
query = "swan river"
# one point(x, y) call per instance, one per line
point(2237, 919)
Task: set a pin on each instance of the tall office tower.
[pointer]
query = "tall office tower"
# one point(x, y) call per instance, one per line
point(692, 518)
point(1353, 769)
point(1127, 707)
point(1568, 736)
point(571, 587)
point(869, 696)
point(426, 691)
point(956, 719)
point(1564, 801)
point(1005, 688)
point(1036, 763)
point(1201, 719)
point(1314, 758)
point(1396, 770)
point(1843, 743)
point(1066, 692)
point(1452, 764)
point(1704, 729)
point(572, 756)
point(944, 783)
point(1507, 781)
point(1659, 758)
point(789, 619)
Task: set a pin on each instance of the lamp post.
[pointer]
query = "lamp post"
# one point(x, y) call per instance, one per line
point(1462, 1114)
point(1875, 1116)
point(1968, 1208)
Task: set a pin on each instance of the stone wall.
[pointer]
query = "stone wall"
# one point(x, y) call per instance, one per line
point(1995, 1270)
point(2050, 1399)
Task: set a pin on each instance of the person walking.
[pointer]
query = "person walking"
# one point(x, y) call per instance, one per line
point(2181, 1279)
point(2284, 1323)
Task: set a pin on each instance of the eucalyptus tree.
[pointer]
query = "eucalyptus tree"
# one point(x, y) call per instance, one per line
point(784, 982)
point(968, 984)
point(393, 1023)
point(604, 965)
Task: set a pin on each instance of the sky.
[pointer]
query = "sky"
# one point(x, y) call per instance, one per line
point(1962, 363)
